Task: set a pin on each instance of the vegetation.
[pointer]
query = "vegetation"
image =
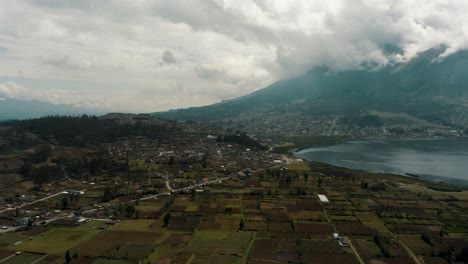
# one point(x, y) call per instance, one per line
point(187, 197)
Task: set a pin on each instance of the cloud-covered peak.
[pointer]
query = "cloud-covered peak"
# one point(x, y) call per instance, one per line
point(214, 49)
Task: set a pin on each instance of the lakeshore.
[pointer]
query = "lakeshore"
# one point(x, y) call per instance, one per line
point(436, 160)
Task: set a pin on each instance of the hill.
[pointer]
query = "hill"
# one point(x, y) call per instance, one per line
point(22, 109)
point(425, 91)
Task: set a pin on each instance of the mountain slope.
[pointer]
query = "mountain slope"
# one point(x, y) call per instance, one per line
point(423, 87)
point(22, 109)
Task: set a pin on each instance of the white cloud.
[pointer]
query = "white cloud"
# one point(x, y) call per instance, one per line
point(181, 53)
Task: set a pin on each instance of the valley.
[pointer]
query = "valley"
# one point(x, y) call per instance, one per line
point(154, 191)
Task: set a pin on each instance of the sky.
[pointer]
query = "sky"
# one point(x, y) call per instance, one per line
point(146, 56)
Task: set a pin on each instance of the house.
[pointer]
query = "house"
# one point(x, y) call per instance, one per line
point(323, 198)
point(343, 242)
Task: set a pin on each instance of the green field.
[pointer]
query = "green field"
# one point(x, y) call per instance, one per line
point(143, 225)
point(298, 166)
point(221, 239)
point(141, 165)
point(9, 239)
point(59, 240)
point(111, 261)
point(24, 257)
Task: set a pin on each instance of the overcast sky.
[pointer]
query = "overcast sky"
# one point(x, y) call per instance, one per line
point(143, 55)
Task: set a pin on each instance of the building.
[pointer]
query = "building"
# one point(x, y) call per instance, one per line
point(323, 198)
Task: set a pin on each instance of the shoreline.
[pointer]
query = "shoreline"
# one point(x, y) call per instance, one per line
point(433, 185)
point(398, 166)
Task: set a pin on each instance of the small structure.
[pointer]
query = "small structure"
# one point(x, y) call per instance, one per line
point(343, 242)
point(335, 235)
point(81, 221)
point(323, 198)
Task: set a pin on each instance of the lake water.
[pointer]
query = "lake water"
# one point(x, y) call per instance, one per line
point(432, 159)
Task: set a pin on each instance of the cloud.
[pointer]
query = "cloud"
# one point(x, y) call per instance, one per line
point(213, 49)
point(168, 57)
point(55, 96)
point(12, 90)
point(208, 73)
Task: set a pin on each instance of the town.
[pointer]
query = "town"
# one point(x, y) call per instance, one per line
point(367, 125)
point(163, 192)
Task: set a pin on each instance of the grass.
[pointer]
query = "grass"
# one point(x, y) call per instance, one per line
point(308, 141)
point(426, 222)
point(9, 239)
point(221, 240)
point(109, 243)
point(343, 218)
point(24, 257)
point(159, 252)
point(59, 240)
point(211, 235)
point(298, 166)
point(135, 251)
point(371, 220)
point(142, 225)
point(110, 261)
point(416, 243)
point(141, 165)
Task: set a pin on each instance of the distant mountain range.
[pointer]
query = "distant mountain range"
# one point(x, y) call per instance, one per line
point(425, 88)
point(22, 109)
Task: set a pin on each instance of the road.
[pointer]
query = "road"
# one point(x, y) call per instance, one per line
point(13, 228)
point(33, 202)
point(356, 253)
point(8, 229)
point(7, 258)
point(168, 186)
point(411, 253)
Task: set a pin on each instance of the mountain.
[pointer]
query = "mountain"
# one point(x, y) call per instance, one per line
point(425, 88)
point(22, 109)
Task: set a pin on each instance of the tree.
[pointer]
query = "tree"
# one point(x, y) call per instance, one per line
point(166, 219)
point(65, 203)
point(194, 194)
point(129, 210)
point(67, 257)
point(241, 224)
point(109, 194)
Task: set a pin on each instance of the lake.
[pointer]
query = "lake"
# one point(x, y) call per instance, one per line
point(443, 160)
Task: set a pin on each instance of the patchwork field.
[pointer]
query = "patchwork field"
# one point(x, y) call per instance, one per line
point(275, 217)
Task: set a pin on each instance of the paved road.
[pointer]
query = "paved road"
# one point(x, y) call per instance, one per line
point(37, 261)
point(23, 205)
point(183, 189)
point(9, 229)
point(7, 258)
point(33, 202)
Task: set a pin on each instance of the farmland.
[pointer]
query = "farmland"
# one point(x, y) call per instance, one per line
point(256, 224)
point(194, 198)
